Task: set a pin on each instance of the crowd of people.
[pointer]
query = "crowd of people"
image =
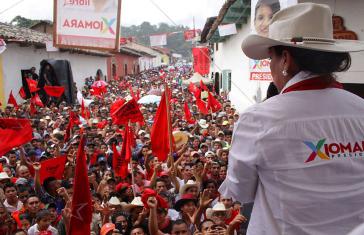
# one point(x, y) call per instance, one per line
point(155, 197)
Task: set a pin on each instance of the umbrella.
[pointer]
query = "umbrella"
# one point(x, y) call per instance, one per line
point(195, 79)
point(99, 84)
point(149, 99)
point(154, 91)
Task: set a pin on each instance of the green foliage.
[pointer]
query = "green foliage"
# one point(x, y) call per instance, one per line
point(175, 42)
point(23, 22)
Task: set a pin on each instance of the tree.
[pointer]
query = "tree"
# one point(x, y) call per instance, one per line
point(23, 22)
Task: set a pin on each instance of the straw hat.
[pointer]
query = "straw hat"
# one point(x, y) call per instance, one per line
point(203, 123)
point(189, 184)
point(185, 198)
point(219, 207)
point(180, 138)
point(305, 25)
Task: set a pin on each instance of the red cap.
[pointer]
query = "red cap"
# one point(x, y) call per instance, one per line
point(120, 186)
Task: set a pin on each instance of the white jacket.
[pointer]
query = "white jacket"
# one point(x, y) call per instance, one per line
point(267, 163)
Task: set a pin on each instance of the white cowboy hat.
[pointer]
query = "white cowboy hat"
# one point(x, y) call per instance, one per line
point(219, 207)
point(305, 25)
point(203, 123)
point(180, 138)
point(4, 176)
point(189, 184)
point(114, 201)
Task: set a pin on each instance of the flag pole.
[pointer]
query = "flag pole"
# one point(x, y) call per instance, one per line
point(131, 164)
point(169, 123)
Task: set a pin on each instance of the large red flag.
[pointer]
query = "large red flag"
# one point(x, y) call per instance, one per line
point(159, 133)
point(122, 113)
point(213, 103)
point(188, 114)
point(32, 84)
point(201, 105)
point(32, 109)
point(37, 101)
point(22, 93)
point(201, 60)
point(12, 100)
point(55, 91)
point(81, 200)
point(52, 168)
point(13, 133)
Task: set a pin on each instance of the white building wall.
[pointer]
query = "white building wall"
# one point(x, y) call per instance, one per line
point(230, 56)
point(145, 63)
point(16, 58)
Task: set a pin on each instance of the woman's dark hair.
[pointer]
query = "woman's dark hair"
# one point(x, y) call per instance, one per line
point(273, 4)
point(317, 62)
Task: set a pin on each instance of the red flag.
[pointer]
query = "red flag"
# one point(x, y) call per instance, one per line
point(81, 200)
point(55, 91)
point(188, 114)
point(203, 86)
point(121, 112)
point(22, 93)
point(37, 101)
point(13, 133)
point(120, 161)
point(73, 120)
point(194, 90)
point(101, 124)
point(213, 103)
point(12, 100)
point(83, 109)
point(32, 84)
point(201, 60)
point(33, 109)
point(201, 105)
point(52, 167)
point(159, 133)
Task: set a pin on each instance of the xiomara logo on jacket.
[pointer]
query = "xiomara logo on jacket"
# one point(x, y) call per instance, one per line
point(328, 151)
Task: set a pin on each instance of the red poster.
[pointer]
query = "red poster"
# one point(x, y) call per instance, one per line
point(201, 60)
point(52, 168)
point(191, 34)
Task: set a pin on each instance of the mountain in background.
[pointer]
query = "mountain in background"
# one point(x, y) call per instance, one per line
point(175, 40)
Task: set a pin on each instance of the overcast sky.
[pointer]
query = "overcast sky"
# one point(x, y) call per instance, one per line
point(132, 11)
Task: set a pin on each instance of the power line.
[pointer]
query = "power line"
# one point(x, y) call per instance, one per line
point(9, 8)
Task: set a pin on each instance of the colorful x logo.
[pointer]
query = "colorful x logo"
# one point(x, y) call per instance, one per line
point(108, 25)
point(316, 150)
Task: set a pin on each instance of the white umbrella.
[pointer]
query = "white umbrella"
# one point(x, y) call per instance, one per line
point(195, 79)
point(154, 91)
point(149, 99)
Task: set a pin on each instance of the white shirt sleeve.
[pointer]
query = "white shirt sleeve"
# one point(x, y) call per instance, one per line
point(242, 177)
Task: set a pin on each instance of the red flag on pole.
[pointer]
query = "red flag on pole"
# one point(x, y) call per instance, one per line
point(81, 200)
point(120, 161)
point(12, 100)
point(32, 109)
point(203, 86)
point(201, 60)
point(188, 114)
point(122, 113)
point(13, 133)
point(55, 91)
point(52, 167)
point(22, 93)
point(32, 84)
point(37, 101)
point(201, 105)
point(194, 90)
point(213, 103)
point(73, 120)
point(159, 133)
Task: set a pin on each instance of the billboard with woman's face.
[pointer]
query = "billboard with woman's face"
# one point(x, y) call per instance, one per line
point(262, 12)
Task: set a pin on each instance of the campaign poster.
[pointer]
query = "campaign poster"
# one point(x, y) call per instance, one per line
point(92, 24)
point(262, 12)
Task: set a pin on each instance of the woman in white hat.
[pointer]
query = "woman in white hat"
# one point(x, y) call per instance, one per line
point(299, 155)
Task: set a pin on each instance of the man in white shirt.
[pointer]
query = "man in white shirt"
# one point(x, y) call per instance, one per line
point(299, 155)
point(11, 203)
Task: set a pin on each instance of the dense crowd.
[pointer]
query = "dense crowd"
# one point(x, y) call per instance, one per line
point(155, 197)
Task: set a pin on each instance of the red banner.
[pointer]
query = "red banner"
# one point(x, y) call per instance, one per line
point(52, 168)
point(55, 91)
point(128, 111)
point(201, 60)
point(13, 133)
point(191, 34)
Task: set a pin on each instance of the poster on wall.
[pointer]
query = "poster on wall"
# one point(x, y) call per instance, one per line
point(92, 24)
point(262, 12)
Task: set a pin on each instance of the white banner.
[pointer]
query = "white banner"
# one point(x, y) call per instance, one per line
point(262, 12)
point(87, 23)
point(227, 29)
point(158, 40)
